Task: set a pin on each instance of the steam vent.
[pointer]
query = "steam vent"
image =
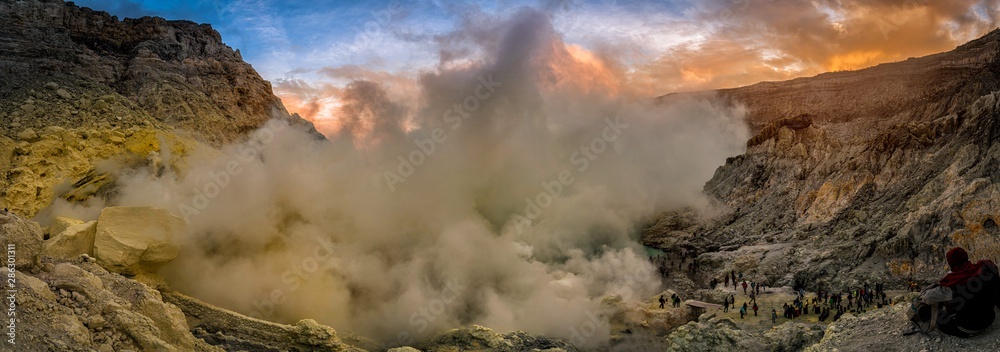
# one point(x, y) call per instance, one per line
point(526, 176)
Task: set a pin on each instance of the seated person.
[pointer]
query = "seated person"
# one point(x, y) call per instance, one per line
point(961, 304)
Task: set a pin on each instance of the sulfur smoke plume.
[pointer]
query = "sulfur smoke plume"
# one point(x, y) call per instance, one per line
point(510, 196)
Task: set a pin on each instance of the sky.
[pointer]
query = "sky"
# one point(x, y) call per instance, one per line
point(310, 50)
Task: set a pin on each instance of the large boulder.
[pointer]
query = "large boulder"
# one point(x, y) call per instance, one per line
point(136, 240)
point(72, 241)
point(79, 306)
point(59, 224)
point(22, 240)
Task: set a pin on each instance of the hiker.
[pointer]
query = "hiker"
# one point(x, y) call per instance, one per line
point(774, 316)
point(725, 304)
point(961, 303)
point(743, 310)
point(755, 309)
point(675, 300)
point(727, 280)
point(662, 301)
point(732, 300)
point(744, 287)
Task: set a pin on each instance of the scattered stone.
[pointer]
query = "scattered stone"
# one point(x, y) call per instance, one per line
point(101, 105)
point(311, 333)
point(28, 135)
point(61, 223)
point(53, 130)
point(62, 93)
point(403, 349)
point(27, 108)
point(72, 242)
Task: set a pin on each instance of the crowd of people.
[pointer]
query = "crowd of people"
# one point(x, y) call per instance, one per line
point(831, 306)
point(664, 265)
point(825, 305)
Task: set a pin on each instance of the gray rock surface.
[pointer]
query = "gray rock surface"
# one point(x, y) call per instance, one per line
point(73, 66)
point(22, 240)
point(850, 178)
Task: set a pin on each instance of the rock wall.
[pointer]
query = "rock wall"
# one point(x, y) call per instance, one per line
point(868, 175)
point(70, 66)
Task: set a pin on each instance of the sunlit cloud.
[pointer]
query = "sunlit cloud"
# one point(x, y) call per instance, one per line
point(311, 51)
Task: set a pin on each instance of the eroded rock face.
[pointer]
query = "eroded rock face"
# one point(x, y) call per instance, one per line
point(22, 239)
point(480, 338)
point(72, 66)
point(79, 306)
point(870, 175)
point(72, 241)
point(236, 332)
point(137, 240)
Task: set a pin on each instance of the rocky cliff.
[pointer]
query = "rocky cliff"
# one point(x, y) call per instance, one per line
point(78, 86)
point(867, 175)
point(72, 66)
point(82, 92)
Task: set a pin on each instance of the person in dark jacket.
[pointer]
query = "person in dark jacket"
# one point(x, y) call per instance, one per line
point(962, 302)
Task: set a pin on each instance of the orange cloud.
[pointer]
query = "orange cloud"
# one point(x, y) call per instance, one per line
point(776, 40)
point(730, 43)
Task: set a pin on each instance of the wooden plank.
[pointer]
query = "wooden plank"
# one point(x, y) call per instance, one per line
point(700, 304)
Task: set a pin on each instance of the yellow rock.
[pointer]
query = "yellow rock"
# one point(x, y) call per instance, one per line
point(137, 240)
point(28, 135)
point(59, 224)
point(72, 241)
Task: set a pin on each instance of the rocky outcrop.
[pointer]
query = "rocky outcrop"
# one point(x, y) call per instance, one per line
point(868, 175)
point(479, 338)
point(62, 163)
point(882, 330)
point(72, 240)
point(236, 332)
point(711, 333)
point(22, 239)
point(136, 241)
point(78, 306)
point(71, 66)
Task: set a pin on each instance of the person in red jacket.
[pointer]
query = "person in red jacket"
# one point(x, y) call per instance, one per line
point(962, 302)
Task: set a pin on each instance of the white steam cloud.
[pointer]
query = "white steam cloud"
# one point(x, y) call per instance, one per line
point(506, 198)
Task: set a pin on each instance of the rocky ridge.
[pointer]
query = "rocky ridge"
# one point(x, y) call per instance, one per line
point(867, 175)
point(75, 67)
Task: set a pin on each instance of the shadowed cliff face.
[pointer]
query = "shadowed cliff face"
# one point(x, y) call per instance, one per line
point(863, 175)
point(71, 66)
point(79, 86)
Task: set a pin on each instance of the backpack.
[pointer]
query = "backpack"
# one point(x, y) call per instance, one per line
point(929, 308)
